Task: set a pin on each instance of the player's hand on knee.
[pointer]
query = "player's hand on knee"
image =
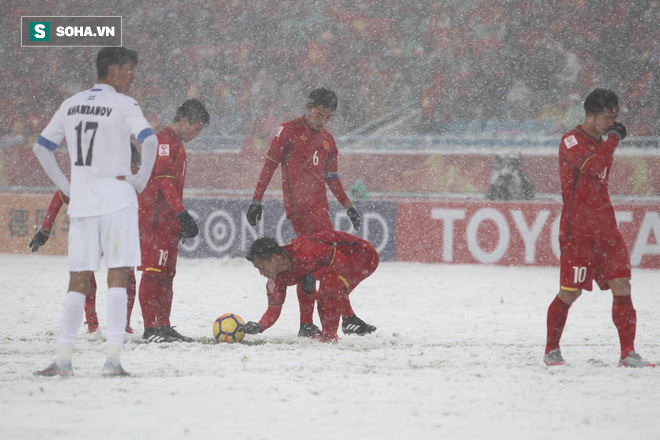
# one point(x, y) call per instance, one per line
point(252, 328)
point(254, 213)
point(354, 216)
point(308, 284)
point(189, 227)
point(39, 239)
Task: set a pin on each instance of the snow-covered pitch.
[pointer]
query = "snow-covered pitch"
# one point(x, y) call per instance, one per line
point(458, 354)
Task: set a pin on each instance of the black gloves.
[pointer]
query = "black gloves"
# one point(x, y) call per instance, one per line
point(39, 239)
point(353, 216)
point(254, 213)
point(252, 328)
point(189, 227)
point(308, 284)
point(619, 130)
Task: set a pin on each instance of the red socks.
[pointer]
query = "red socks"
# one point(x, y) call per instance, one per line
point(557, 314)
point(346, 309)
point(625, 320)
point(624, 317)
point(306, 304)
point(90, 300)
point(90, 303)
point(329, 308)
point(155, 299)
point(130, 294)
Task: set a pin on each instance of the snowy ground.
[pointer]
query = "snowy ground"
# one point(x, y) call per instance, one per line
point(457, 355)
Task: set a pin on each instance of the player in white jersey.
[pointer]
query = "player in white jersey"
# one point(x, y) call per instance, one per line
point(97, 125)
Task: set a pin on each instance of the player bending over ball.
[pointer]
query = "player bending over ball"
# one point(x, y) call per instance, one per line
point(338, 260)
point(307, 153)
point(590, 242)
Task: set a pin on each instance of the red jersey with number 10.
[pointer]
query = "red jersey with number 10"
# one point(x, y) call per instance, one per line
point(584, 170)
point(161, 200)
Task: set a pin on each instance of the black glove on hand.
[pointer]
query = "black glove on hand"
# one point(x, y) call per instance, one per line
point(254, 213)
point(619, 130)
point(252, 328)
point(39, 239)
point(189, 227)
point(354, 216)
point(308, 284)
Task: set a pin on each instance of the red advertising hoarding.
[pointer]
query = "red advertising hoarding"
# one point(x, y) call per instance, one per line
point(512, 234)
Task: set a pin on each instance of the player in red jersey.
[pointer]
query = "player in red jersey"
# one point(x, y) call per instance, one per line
point(308, 155)
point(592, 248)
point(42, 235)
point(164, 220)
point(338, 260)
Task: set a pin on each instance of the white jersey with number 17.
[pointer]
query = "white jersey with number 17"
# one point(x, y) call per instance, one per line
point(97, 124)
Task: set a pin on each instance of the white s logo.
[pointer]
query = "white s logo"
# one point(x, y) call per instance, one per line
point(40, 31)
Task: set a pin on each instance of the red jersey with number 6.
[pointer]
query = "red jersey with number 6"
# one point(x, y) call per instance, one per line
point(308, 159)
point(161, 200)
point(584, 170)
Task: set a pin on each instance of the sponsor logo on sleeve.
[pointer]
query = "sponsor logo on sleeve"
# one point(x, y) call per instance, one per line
point(570, 141)
point(279, 131)
point(164, 149)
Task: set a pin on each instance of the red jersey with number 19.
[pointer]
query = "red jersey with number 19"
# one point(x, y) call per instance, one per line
point(584, 170)
point(161, 200)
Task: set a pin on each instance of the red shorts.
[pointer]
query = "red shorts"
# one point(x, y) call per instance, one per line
point(583, 262)
point(159, 252)
point(310, 222)
point(362, 262)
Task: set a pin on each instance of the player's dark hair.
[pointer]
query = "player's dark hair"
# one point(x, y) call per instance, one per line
point(263, 249)
point(326, 98)
point(193, 110)
point(113, 55)
point(600, 100)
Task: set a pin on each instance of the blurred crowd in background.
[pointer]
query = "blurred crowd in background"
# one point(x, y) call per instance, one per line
point(507, 66)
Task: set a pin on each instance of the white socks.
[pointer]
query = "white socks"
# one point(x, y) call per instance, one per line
point(72, 316)
point(116, 316)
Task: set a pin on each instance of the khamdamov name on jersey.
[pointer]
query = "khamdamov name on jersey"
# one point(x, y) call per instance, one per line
point(89, 110)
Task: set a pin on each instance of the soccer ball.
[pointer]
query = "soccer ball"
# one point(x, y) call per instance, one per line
point(228, 328)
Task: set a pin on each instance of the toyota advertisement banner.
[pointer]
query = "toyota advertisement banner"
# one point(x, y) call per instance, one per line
point(445, 231)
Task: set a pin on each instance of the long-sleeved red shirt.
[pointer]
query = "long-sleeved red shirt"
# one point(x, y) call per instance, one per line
point(584, 170)
point(161, 200)
point(54, 207)
point(309, 161)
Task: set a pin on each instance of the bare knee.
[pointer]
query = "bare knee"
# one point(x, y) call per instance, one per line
point(620, 286)
point(80, 281)
point(569, 296)
point(118, 276)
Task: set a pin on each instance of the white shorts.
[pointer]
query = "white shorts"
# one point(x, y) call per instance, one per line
point(114, 235)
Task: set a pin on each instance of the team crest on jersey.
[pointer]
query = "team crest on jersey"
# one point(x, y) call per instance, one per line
point(164, 149)
point(326, 145)
point(570, 141)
